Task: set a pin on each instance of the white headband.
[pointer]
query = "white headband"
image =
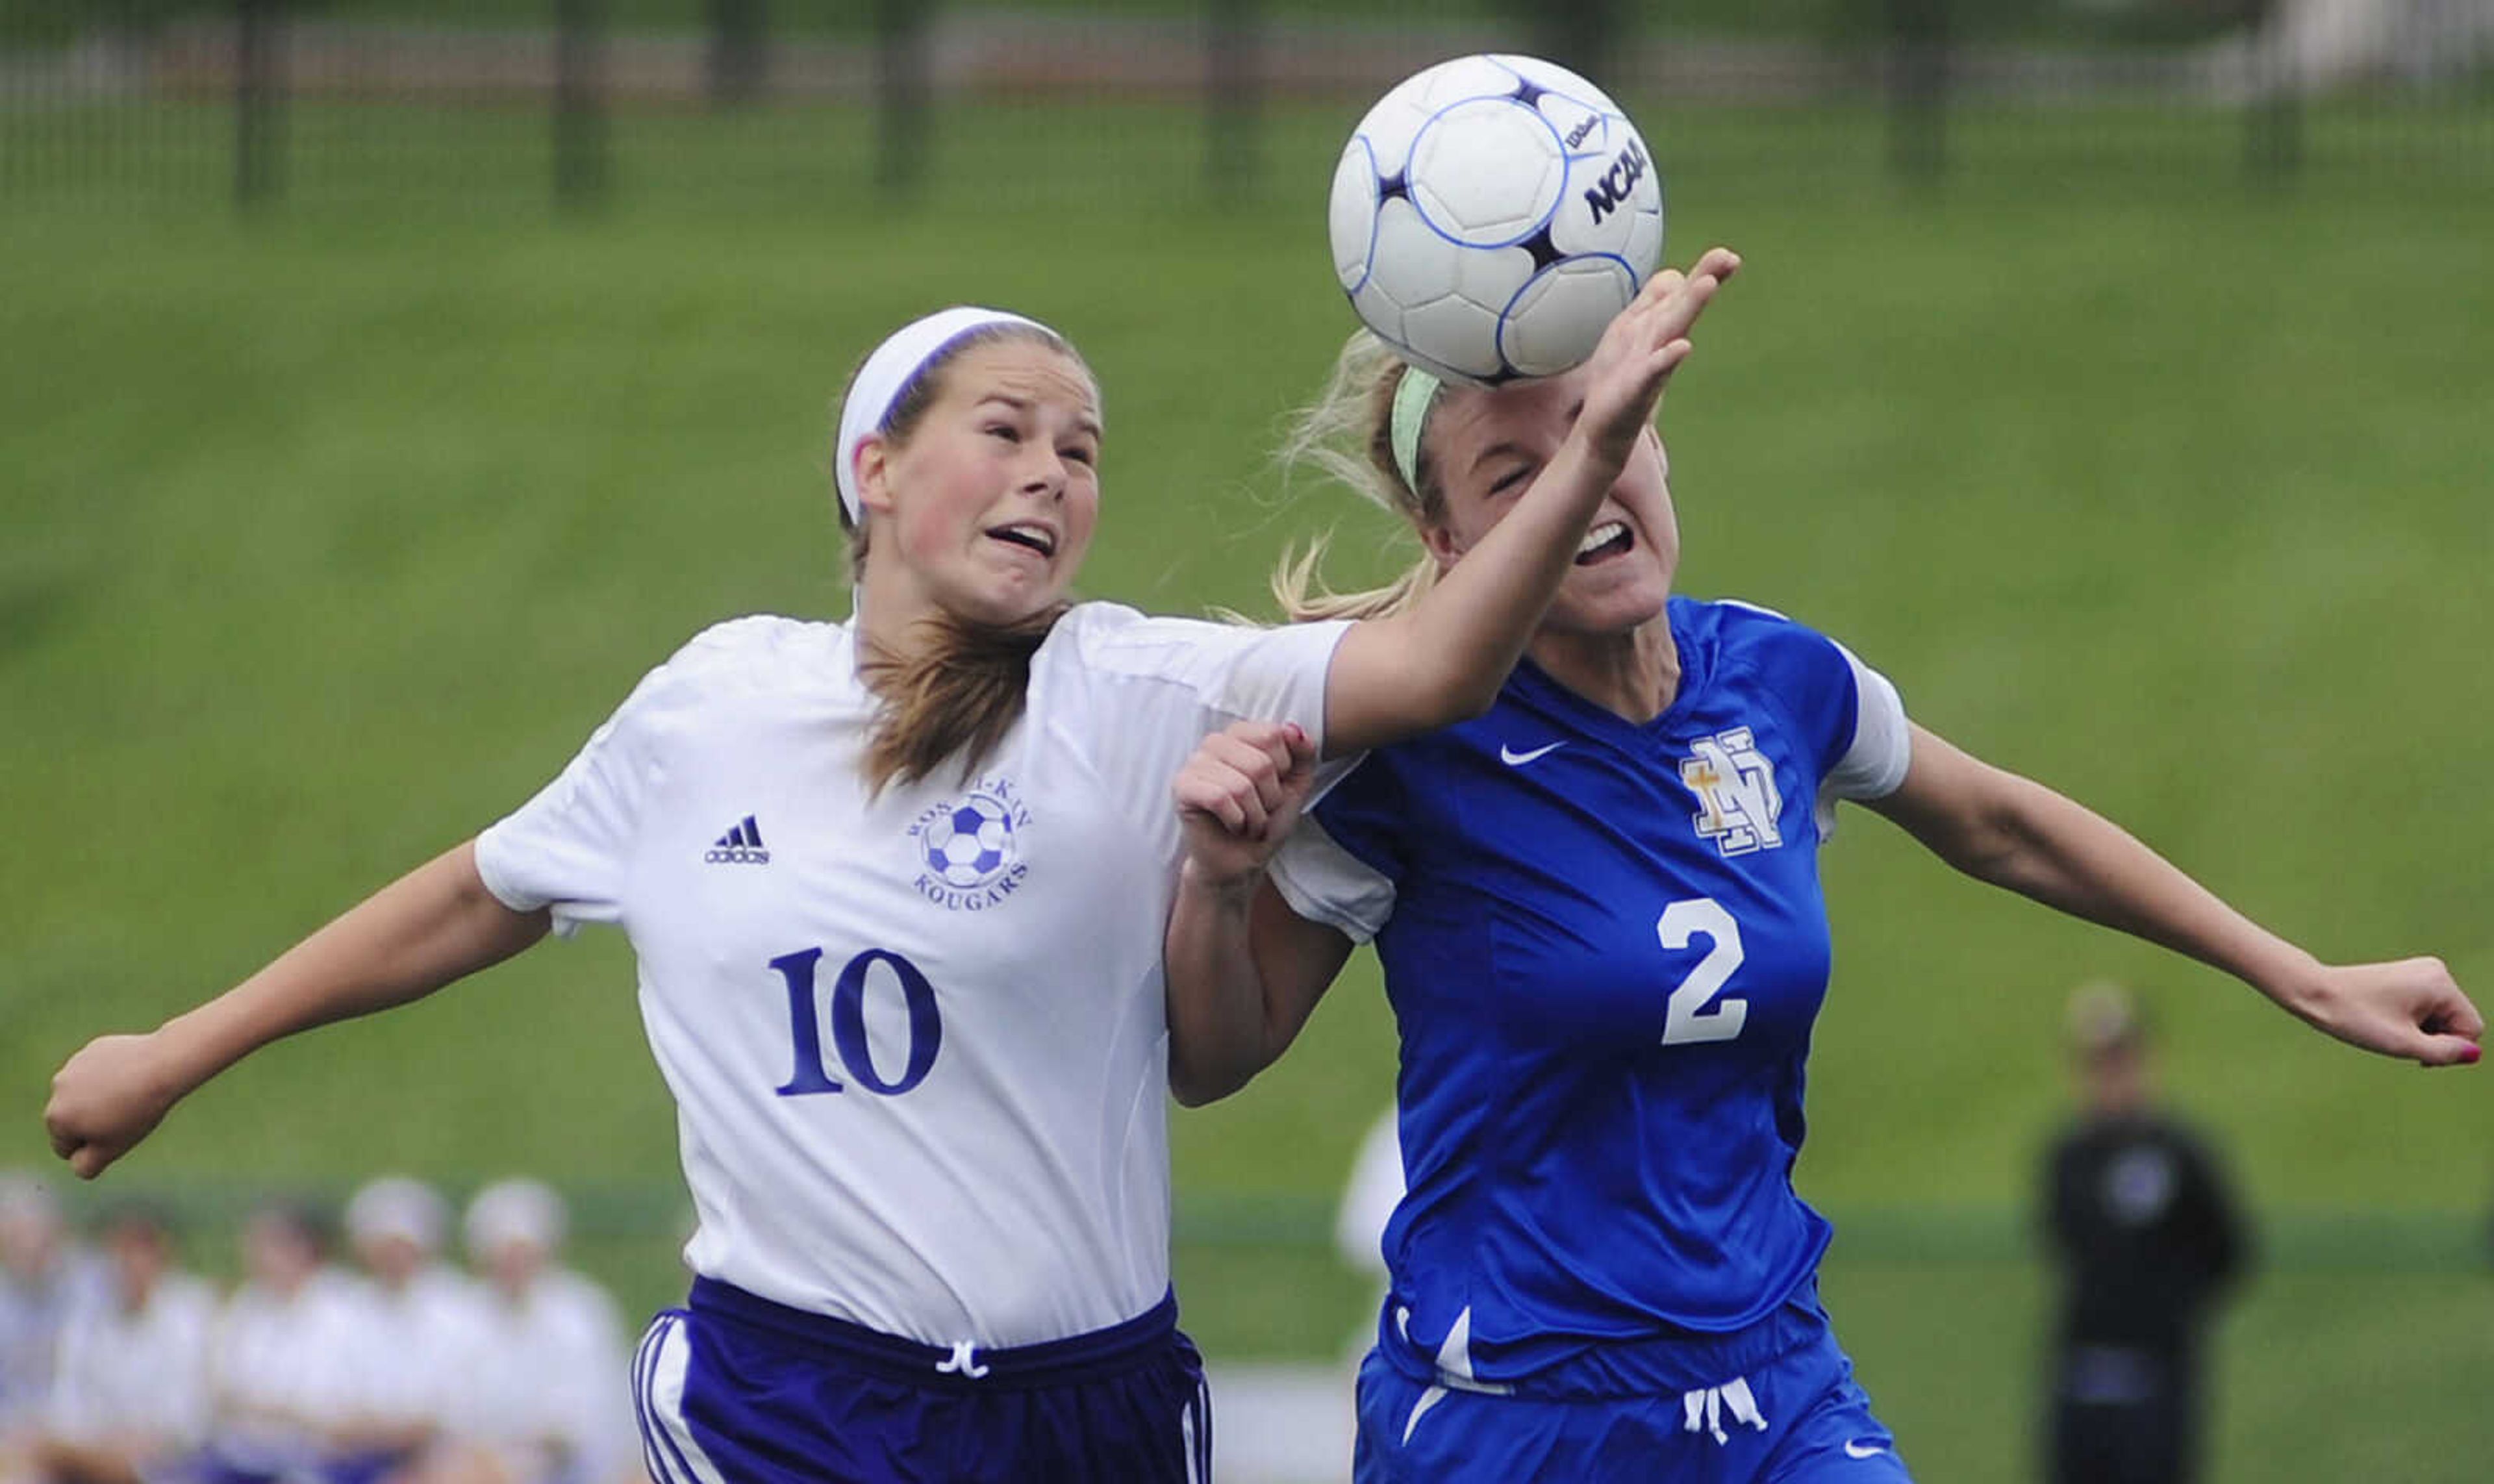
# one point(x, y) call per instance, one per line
point(893, 366)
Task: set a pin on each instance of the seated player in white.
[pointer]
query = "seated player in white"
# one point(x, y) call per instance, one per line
point(130, 1404)
point(422, 1325)
point(551, 1400)
point(287, 1359)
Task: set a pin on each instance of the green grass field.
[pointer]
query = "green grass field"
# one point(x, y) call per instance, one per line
point(331, 534)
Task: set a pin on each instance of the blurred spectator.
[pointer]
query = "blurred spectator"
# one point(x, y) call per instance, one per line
point(552, 1400)
point(286, 1361)
point(1368, 1202)
point(422, 1325)
point(2146, 1237)
point(44, 1280)
point(129, 1405)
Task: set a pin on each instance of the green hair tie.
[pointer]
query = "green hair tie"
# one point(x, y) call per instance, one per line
point(1413, 398)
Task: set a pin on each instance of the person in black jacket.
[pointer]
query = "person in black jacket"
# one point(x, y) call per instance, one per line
point(2145, 1237)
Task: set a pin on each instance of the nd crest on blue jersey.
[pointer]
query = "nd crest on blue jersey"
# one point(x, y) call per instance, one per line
point(967, 850)
point(1735, 784)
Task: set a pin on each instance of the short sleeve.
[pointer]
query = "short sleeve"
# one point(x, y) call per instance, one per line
point(569, 848)
point(1141, 693)
point(1205, 675)
point(1342, 864)
point(1874, 764)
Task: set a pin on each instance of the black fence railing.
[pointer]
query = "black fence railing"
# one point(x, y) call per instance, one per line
point(262, 101)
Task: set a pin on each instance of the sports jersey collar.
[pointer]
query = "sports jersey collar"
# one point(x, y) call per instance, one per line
point(1533, 685)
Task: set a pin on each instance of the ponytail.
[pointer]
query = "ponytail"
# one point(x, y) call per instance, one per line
point(955, 701)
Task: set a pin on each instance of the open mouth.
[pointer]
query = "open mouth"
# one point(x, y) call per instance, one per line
point(1024, 533)
point(1611, 538)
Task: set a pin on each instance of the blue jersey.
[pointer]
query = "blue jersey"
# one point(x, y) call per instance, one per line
point(1606, 945)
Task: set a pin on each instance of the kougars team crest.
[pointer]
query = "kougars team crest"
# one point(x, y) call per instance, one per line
point(1735, 784)
point(969, 847)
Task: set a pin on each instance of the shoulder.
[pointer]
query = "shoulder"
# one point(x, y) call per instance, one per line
point(753, 647)
point(1232, 661)
point(759, 655)
point(1755, 637)
point(578, 1300)
point(2187, 1139)
point(1115, 638)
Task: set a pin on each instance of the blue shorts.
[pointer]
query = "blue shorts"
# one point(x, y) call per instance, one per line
point(734, 1389)
point(1794, 1417)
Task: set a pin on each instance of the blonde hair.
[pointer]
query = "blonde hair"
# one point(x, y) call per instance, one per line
point(1349, 433)
point(966, 687)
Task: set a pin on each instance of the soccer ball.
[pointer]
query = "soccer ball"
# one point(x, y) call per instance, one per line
point(970, 844)
point(1491, 215)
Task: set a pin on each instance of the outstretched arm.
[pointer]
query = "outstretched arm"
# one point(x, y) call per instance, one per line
point(1445, 659)
point(2014, 832)
point(1244, 970)
point(433, 925)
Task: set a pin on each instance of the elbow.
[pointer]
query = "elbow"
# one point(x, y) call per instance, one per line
point(1199, 1087)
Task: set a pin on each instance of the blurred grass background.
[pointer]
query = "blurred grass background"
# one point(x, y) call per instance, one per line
point(332, 533)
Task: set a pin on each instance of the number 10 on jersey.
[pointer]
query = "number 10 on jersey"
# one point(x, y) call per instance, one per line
point(848, 1023)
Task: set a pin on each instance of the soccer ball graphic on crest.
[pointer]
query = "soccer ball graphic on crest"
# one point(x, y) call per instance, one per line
point(1491, 215)
point(967, 845)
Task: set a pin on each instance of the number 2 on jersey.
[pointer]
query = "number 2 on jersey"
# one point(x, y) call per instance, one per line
point(848, 1023)
point(1686, 1019)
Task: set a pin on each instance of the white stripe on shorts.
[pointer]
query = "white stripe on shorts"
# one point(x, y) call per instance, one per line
point(658, 1388)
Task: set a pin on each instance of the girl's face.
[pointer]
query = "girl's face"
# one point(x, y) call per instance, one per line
point(1487, 446)
point(989, 501)
point(278, 1252)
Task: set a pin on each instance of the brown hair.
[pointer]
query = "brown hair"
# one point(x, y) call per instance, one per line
point(1349, 433)
point(964, 689)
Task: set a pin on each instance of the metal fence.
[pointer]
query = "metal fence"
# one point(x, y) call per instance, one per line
point(262, 102)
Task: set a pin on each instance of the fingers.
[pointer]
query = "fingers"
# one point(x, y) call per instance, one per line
point(2452, 1028)
point(1717, 262)
point(1677, 314)
point(2450, 1010)
point(2446, 1051)
point(1246, 775)
point(2410, 1008)
point(89, 1162)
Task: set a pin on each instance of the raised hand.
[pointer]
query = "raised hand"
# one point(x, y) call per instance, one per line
point(1644, 345)
point(1238, 796)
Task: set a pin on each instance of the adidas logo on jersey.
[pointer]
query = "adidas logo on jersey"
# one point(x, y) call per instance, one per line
point(740, 846)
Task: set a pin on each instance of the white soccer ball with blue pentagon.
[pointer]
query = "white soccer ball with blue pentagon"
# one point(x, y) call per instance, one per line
point(1491, 215)
point(970, 844)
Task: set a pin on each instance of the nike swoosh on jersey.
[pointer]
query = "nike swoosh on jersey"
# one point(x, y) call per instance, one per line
point(1857, 1450)
point(1514, 759)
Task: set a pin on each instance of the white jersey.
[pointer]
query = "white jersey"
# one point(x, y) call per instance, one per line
point(552, 1371)
point(918, 1041)
point(422, 1343)
point(138, 1371)
point(284, 1367)
point(34, 1313)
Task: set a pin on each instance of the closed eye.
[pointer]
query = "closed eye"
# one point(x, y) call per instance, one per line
point(1513, 480)
point(1003, 430)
